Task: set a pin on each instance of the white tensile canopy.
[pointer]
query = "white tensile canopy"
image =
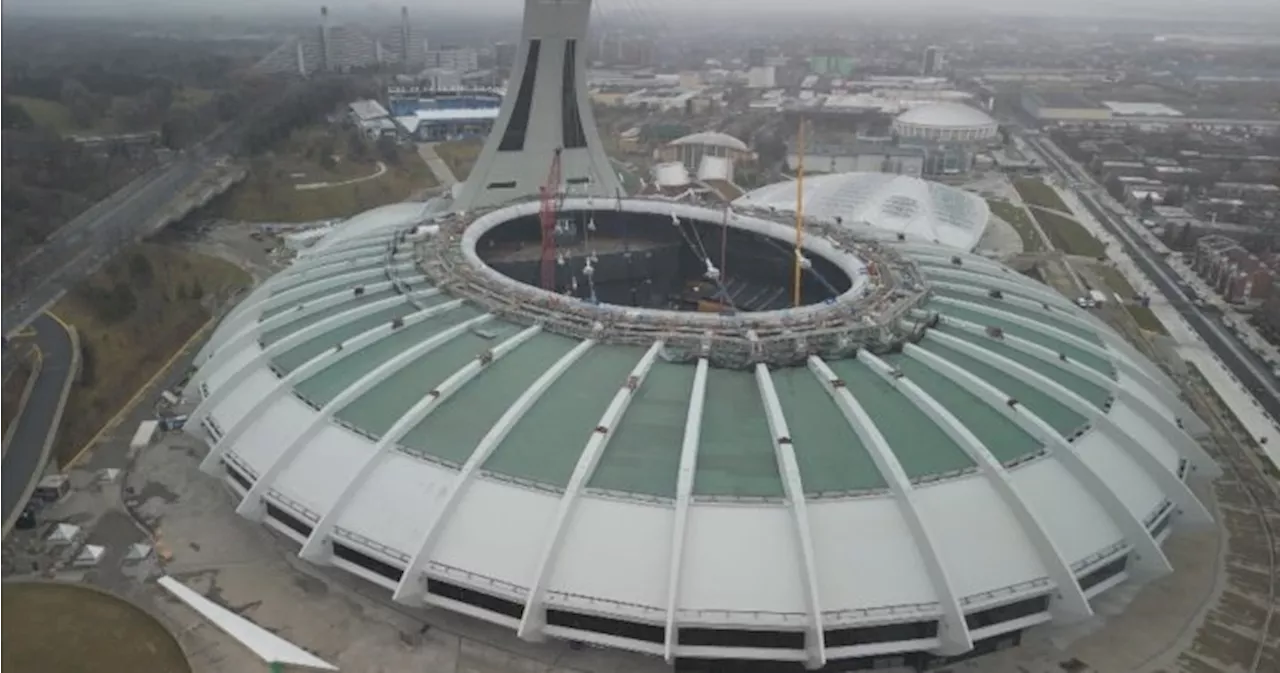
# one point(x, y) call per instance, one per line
point(64, 533)
point(90, 555)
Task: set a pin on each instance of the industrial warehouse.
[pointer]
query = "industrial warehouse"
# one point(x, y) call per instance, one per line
point(737, 437)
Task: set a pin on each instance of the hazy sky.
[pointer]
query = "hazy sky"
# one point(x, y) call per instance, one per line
point(1161, 9)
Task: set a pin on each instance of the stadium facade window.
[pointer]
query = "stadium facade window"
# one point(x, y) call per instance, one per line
point(478, 599)
point(888, 633)
point(1161, 524)
point(509, 184)
point(1007, 613)
point(518, 125)
point(985, 646)
point(238, 476)
point(367, 562)
point(294, 523)
point(614, 627)
point(778, 640)
point(570, 117)
point(1104, 573)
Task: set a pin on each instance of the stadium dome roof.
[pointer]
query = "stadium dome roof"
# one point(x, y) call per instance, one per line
point(712, 138)
point(946, 115)
point(1007, 460)
point(920, 209)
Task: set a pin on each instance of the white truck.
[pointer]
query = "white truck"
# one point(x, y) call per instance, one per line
point(145, 433)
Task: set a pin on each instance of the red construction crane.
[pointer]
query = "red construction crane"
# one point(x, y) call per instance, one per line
point(550, 193)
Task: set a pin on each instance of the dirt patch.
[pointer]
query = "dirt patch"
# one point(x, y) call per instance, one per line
point(132, 316)
point(73, 629)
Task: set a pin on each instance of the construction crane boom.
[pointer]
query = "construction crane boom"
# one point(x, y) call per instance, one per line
point(550, 193)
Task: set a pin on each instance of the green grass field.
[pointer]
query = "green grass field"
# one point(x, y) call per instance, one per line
point(48, 113)
point(1036, 193)
point(1068, 235)
point(1145, 317)
point(125, 351)
point(460, 155)
point(64, 628)
point(1018, 218)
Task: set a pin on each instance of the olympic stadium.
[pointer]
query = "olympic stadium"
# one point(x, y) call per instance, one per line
point(630, 422)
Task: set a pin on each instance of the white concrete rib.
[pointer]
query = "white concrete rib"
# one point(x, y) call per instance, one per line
point(1165, 477)
point(250, 336)
point(252, 504)
point(1146, 555)
point(412, 587)
point(1119, 352)
point(1069, 603)
point(1196, 454)
point(315, 548)
point(789, 469)
point(953, 632)
point(250, 312)
point(684, 494)
point(534, 617)
point(231, 435)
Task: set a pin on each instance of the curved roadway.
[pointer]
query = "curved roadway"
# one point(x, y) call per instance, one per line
point(1232, 354)
point(37, 425)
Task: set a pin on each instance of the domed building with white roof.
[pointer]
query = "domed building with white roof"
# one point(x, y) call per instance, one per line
point(677, 430)
point(694, 149)
point(897, 204)
point(950, 134)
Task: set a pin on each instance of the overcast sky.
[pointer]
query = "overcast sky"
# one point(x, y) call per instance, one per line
point(1162, 9)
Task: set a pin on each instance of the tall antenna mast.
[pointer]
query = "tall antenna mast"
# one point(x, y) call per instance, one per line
point(795, 278)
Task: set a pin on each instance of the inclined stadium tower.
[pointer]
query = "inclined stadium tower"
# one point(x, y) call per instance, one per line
point(925, 457)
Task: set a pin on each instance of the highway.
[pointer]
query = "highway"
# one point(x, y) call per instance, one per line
point(1237, 359)
point(84, 243)
point(35, 426)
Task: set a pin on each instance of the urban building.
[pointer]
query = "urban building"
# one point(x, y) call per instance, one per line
point(931, 61)
point(456, 59)
point(756, 57)
point(341, 47)
point(1236, 274)
point(1062, 106)
point(951, 135)
point(859, 156)
point(920, 459)
point(691, 149)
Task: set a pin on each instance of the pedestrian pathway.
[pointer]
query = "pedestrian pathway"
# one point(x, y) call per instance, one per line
point(444, 174)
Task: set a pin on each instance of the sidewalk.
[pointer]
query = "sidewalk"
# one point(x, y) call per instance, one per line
point(444, 175)
point(1189, 345)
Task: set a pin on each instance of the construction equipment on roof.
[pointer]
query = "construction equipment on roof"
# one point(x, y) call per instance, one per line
point(551, 193)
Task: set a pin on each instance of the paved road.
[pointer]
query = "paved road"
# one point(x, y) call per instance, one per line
point(1226, 347)
point(92, 238)
point(24, 459)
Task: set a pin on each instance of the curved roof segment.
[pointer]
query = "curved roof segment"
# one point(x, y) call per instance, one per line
point(712, 138)
point(919, 209)
point(1000, 466)
point(946, 115)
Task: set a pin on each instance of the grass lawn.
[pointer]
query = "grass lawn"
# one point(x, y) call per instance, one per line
point(132, 316)
point(1068, 235)
point(460, 155)
point(64, 628)
point(1037, 193)
point(269, 193)
point(1021, 222)
point(1144, 316)
point(49, 113)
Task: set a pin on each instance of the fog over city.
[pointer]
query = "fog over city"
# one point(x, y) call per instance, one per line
point(923, 10)
point(640, 336)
